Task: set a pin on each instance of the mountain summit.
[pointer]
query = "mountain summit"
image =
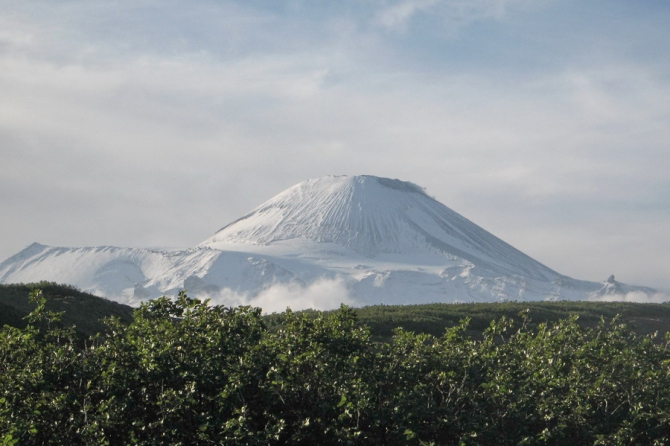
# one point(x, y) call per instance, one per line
point(372, 216)
point(364, 213)
point(380, 240)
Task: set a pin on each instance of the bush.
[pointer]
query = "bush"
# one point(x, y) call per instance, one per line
point(185, 372)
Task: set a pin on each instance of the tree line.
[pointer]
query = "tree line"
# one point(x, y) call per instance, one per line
point(186, 372)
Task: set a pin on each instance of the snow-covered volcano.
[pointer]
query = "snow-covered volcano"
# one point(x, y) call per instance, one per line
point(372, 217)
point(381, 240)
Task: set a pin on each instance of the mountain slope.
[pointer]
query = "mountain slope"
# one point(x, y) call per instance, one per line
point(375, 240)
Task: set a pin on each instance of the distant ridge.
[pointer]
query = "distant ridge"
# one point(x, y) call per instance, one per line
point(377, 240)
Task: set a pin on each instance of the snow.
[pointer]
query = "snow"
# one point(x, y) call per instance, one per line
point(381, 240)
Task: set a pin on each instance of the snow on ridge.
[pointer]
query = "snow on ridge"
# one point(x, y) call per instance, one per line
point(107, 271)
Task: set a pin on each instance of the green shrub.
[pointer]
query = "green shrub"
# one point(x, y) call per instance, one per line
point(185, 372)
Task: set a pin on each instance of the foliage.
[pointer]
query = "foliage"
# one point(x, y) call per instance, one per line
point(186, 372)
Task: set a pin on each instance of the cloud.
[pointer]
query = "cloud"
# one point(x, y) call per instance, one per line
point(398, 15)
point(13, 35)
point(636, 296)
point(454, 13)
point(323, 294)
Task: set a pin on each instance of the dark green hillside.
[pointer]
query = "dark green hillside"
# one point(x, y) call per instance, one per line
point(433, 319)
point(81, 309)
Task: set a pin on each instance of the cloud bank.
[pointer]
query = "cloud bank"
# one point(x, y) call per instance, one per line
point(323, 294)
point(637, 297)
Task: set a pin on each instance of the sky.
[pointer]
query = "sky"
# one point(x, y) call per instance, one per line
point(151, 123)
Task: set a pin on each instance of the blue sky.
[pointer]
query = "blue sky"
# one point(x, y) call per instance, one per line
point(155, 123)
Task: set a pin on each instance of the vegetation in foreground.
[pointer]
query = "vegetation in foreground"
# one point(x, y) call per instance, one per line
point(183, 372)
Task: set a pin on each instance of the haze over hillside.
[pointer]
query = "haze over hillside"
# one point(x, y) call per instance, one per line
point(357, 240)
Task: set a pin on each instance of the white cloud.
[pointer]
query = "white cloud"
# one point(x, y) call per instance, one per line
point(13, 35)
point(637, 297)
point(396, 16)
point(454, 13)
point(323, 294)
